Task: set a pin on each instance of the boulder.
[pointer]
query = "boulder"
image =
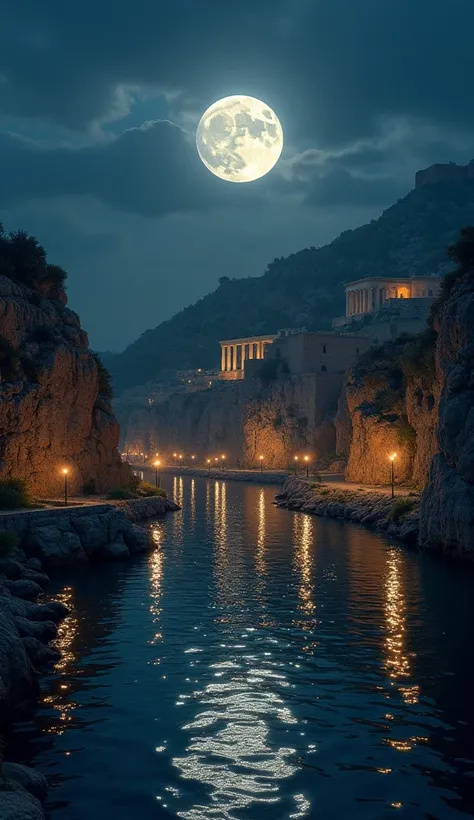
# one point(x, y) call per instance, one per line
point(16, 673)
point(38, 577)
point(38, 653)
point(12, 569)
point(44, 631)
point(34, 564)
point(55, 548)
point(93, 531)
point(117, 551)
point(138, 539)
point(20, 805)
point(33, 782)
point(23, 589)
point(53, 611)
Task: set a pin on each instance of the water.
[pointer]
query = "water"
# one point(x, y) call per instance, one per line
point(260, 664)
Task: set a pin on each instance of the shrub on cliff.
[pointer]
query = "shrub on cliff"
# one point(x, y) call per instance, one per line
point(121, 494)
point(23, 260)
point(14, 494)
point(105, 379)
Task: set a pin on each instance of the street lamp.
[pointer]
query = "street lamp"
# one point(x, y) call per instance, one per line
point(175, 456)
point(296, 465)
point(223, 461)
point(261, 463)
point(306, 458)
point(193, 458)
point(392, 472)
point(209, 466)
point(157, 474)
point(180, 463)
point(65, 474)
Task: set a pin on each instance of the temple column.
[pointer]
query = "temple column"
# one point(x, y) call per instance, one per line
point(366, 300)
point(357, 301)
point(243, 356)
point(235, 357)
point(251, 350)
point(223, 357)
point(347, 303)
point(227, 357)
point(352, 302)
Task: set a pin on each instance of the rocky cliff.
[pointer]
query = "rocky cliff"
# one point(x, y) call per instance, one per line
point(276, 417)
point(447, 509)
point(55, 406)
point(390, 405)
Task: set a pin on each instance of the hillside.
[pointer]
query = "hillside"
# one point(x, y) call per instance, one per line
point(305, 288)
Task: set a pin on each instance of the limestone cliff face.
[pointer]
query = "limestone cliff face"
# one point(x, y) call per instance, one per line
point(241, 420)
point(447, 509)
point(389, 405)
point(52, 413)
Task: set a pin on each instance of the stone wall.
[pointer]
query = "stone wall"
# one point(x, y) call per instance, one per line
point(53, 411)
point(61, 537)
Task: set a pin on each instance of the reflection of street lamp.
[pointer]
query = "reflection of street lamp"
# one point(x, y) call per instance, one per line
point(392, 472)
point(306, 458)
point(157, 475)
point(296, 465)
point(65, 473)
point(209, 466)
point(261, 463)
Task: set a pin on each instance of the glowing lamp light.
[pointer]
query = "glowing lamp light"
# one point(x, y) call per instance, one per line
point(306, 458)
point(261, 463)
point(392, 458)
point(65, 472)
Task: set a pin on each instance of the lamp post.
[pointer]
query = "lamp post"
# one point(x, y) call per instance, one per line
point(65, 474)
point(306, 459)
point(261, 463)
point(296, 465)
point(209, 466)
point(157, 474)
point(223, 461)
point(180, 463)
point(392, 472)
point(175, 456)
point(193, 458)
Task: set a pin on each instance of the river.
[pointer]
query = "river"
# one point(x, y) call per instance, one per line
point(260, 664)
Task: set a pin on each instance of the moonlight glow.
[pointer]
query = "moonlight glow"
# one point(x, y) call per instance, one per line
point(239, 139)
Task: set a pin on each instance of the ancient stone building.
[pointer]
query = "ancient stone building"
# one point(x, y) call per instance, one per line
point(384, 309)
point(235, 352)
point(318, 352)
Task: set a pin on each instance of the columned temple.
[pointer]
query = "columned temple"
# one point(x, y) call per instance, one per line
point(234, 353)
point(368, 295)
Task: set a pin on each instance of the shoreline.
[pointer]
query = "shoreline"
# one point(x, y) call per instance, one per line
point(397, 517)
point(250, 476)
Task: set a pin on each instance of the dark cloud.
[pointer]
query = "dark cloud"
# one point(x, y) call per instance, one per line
point(341, 188)
point(331, 70)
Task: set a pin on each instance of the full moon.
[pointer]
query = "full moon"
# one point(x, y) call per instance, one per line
point(239, 139)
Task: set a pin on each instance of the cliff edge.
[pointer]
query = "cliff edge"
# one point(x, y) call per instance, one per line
point(447, 507)
point(55, 409)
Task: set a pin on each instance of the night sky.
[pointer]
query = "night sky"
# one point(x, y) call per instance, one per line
point(99, 102)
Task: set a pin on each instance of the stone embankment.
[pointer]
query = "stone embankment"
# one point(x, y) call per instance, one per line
point(26, 628)
point(51, 537)
point(94, 532)
point(397, 517)
point(252, 476)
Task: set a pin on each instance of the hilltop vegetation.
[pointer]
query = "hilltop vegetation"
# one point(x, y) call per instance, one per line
point(304, 289)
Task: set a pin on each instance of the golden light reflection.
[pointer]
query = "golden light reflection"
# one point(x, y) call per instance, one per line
point(302, 540)
point(261, 532)
point(397, 660)
point(192, 501)
point(67, 632)
point(156, 580)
